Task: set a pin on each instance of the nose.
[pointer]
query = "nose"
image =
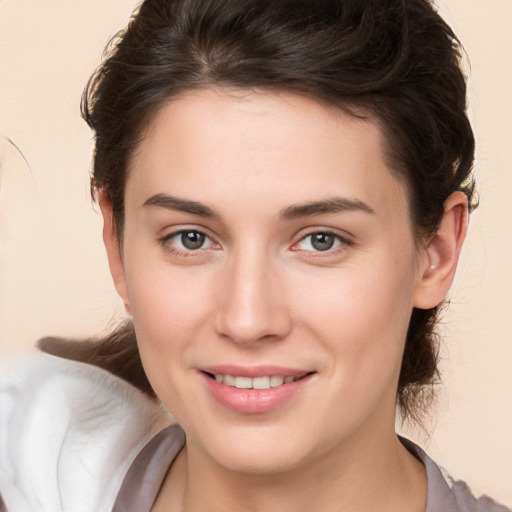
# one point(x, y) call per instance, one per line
point(252, 304)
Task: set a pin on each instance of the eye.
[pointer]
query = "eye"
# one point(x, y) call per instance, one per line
point(188, 240)
point(321, 241)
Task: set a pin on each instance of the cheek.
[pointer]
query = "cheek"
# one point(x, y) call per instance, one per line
point(170, 309)
point(362, 316)
point(169, 312)
point(162, 295)
point(362, 325)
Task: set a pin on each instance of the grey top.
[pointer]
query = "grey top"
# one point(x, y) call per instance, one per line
point(146, 474)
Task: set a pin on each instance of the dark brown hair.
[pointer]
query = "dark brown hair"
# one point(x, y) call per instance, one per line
point(394, 61)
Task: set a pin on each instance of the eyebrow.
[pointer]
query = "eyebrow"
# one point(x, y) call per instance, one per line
point(181, 205)
point(331, 205)
point(326, 206)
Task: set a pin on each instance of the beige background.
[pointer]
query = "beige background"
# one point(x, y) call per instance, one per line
point(53, 273)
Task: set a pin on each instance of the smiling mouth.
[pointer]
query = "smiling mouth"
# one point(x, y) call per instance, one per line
point(264, 382)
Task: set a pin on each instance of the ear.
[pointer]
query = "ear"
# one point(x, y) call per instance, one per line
point(112, 245)
point(442, 253)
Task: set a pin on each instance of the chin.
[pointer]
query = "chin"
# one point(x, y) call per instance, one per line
point(257, 461)
point(263, 450)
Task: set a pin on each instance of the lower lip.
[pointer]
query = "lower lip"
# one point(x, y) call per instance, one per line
point(253, 401)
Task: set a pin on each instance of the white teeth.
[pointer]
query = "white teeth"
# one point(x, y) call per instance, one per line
point(265, 382)
point(243, 382)
point(276, 380)
point(261, 383)
point(229, 380)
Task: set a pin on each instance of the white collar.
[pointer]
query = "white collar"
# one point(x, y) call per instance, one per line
point(69, 432)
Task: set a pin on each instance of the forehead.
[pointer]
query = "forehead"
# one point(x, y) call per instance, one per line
point(218, 145)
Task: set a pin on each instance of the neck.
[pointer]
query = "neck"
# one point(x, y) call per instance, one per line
point(365, 474)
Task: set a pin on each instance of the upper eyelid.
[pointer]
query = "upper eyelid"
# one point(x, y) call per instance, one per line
point(345, 238)
point(165, 242)
point(174, 232)
point(335, 235)
point(345, 242)
point(341, 234)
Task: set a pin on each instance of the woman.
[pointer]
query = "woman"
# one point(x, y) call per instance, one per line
point(285, 189)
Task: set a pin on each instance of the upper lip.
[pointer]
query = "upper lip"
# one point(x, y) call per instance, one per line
point(255, 371)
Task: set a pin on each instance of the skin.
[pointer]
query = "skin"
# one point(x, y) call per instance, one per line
point(258, 292)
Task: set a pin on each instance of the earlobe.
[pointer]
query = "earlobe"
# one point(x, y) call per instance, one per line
point(442, 253)
point(111, 241)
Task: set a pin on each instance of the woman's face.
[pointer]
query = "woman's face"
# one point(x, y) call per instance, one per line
point(267, 242)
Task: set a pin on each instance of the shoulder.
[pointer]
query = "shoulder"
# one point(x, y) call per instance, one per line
point(448, 495)
point(69, 432)
point(467, 502)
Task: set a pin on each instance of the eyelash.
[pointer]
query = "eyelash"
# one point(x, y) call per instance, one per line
point(343, 243)
point(166, 242)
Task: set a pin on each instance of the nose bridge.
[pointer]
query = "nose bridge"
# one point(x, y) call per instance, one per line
point(252, 306)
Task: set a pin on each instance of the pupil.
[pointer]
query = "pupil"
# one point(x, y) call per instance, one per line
point(192, 239)
point(322, 241)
